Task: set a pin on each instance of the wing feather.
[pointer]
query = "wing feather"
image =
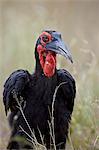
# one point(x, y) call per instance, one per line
point(68, 89)
point(16, 81)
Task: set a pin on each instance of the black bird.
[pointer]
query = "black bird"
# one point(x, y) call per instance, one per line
point(46, 97)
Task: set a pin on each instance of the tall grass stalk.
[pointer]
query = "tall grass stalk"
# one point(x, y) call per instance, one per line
point(32, 137)
point(52, 117)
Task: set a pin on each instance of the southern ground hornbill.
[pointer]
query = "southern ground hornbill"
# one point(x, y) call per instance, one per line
point(32, 99)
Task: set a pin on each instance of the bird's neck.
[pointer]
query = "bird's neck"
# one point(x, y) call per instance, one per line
point(38, 68)
point(45, 65)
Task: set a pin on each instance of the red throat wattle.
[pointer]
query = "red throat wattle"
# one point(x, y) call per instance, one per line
point(47, 61)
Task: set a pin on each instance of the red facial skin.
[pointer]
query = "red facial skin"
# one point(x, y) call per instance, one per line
point(47, 58)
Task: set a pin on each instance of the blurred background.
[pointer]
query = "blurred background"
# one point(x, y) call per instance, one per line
point(21, 22)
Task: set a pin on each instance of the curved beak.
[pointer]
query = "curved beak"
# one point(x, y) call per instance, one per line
point(59, 47)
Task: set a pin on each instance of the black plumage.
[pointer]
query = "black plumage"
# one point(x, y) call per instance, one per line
point(35, 93)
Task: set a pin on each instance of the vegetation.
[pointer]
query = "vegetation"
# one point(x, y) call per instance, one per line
point(20, 26)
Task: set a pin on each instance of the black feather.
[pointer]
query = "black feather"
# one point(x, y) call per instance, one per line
point(38, 94)
point(17, 82)
point(37, 91)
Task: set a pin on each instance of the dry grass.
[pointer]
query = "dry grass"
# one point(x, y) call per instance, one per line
point(32, 138)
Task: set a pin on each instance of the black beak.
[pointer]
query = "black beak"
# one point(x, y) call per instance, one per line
point(58, 46)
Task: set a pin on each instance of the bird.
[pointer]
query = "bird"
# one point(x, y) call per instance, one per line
point(40, 104)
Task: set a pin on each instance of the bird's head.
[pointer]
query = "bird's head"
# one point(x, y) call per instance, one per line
point(48, 45)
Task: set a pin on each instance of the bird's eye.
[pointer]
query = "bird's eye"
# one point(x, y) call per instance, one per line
point(45, 39)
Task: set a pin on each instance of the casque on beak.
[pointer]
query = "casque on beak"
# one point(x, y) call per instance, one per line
point(58, 46)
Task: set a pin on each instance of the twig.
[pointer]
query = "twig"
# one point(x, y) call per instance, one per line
point(97, 138)
point(26, 133)
point(41, 137)
point(15, 96)
point(33, 138)
point(52, 120)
